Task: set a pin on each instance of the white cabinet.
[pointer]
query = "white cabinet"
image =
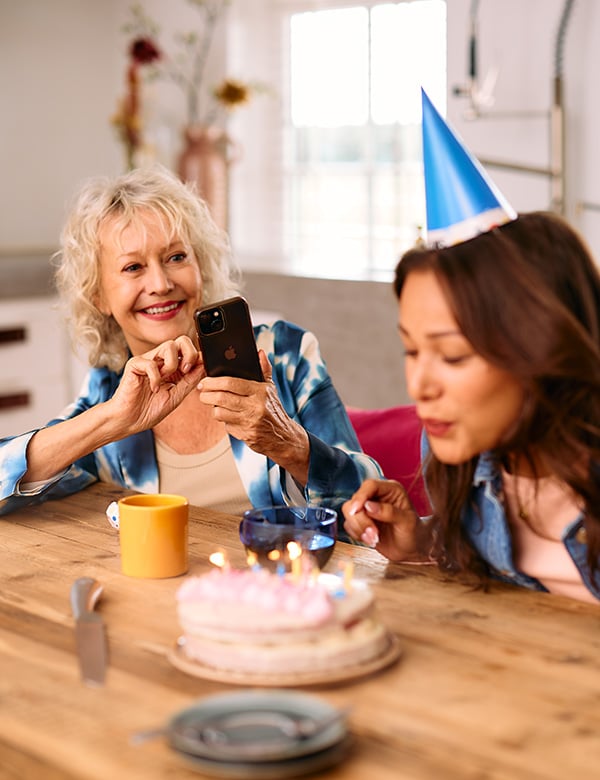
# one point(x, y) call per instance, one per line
point(36, 374)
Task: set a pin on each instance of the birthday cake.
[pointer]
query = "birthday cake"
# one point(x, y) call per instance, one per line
point(260, 623)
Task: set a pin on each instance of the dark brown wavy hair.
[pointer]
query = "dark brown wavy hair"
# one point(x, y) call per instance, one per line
point(527, 297)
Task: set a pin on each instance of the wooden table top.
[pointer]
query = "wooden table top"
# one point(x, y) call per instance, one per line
point(500, 685)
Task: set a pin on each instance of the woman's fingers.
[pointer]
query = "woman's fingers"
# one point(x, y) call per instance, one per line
point(371, 489)
point(188, 356)
point(377, 510)
point(166, 363)
point(240, 400)
point(148, 367)
point(358, 524)
point(176, 355)
point(361, 525)
point(266, 367)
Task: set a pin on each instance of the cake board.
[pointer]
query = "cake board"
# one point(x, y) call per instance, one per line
point(176, 656)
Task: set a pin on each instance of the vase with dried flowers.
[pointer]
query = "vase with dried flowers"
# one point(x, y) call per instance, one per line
point(142, 52)
point(208, 150)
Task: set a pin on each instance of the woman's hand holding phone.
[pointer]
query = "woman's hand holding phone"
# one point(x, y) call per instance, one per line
point(253, 413)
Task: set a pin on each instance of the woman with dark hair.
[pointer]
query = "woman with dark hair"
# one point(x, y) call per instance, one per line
point(502, 344)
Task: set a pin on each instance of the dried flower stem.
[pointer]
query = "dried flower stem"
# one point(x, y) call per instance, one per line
point(196, 51)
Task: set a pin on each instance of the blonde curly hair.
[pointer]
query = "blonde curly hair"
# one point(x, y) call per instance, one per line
point(77, 275)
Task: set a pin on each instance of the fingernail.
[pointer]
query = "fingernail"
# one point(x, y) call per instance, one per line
point(355, 507)
point(372, 507)
point(370, 537)
point(185, 367)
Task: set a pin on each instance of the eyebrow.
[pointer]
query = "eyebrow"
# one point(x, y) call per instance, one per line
point(436, 335)
point(168, 248)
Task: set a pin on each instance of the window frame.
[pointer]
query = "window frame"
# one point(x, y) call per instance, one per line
point(258, 40)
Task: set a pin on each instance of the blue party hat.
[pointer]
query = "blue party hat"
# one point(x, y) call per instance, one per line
point(461, 200)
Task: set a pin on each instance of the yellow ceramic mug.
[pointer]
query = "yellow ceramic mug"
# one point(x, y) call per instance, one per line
point(153, 530)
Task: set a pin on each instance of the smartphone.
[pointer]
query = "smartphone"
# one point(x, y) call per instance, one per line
point(227, 340)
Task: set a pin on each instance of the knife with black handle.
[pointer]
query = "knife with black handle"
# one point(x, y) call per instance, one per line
point(89, 630)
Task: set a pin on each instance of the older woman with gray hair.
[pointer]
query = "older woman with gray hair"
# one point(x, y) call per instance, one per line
point(139, 254)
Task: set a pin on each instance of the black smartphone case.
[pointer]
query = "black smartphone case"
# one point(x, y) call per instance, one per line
point(232, 350)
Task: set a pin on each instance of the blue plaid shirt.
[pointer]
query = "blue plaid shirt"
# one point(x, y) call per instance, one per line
point(337, 465)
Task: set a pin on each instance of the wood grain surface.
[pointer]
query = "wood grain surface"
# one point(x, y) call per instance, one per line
point(498, 685)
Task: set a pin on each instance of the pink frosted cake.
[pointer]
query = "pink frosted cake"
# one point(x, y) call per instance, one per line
point(257, 622)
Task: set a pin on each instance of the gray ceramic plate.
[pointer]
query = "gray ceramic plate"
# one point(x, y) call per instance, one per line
point(254, 727)
point(273, 770)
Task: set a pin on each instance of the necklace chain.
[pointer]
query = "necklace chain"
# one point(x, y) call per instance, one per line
point(525, 515)
point(526, 518)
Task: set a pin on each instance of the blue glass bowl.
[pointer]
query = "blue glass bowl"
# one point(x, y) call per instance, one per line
point(269, 529)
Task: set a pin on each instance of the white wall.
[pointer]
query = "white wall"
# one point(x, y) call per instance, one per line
point(58, 80)
point(62, 72)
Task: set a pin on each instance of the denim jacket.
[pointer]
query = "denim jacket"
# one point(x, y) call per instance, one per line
point(486, 525)
point(337, 465)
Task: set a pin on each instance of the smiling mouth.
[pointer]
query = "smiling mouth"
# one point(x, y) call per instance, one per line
point(169, 307)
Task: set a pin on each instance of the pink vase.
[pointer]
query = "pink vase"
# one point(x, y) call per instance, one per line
point(205, 161)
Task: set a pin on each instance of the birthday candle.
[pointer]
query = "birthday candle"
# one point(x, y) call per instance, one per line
point(348, 575)
point(252, 561)
point(295, 553)
point(275, 555)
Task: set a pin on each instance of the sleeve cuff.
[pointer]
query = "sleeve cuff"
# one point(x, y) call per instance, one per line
point(34, 488)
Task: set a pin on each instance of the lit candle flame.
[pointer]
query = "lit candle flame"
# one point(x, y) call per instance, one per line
point(274, 555)
point(295, 553)
point(219, 559)
point(252, 561)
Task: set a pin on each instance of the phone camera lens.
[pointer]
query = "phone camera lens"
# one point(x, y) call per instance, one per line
point(211, 322)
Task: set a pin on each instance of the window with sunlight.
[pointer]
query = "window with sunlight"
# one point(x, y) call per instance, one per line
point(354, 182)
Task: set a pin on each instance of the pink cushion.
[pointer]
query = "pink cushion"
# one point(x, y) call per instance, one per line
point(392, 437)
